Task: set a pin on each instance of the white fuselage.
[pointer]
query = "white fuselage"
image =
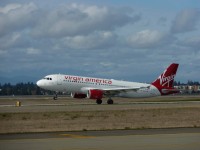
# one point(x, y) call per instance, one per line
point(79, 84)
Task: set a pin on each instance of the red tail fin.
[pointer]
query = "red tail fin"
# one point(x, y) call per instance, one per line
point(165, 81)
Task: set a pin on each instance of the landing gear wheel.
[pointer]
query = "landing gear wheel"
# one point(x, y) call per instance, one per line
point(110, 101)
point(98, 101)
point(55, 97)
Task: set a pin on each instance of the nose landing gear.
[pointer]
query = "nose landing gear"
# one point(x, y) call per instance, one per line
point(55, 97)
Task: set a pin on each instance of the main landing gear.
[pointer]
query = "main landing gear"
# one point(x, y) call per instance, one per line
point(109, 101)
point(98, 101)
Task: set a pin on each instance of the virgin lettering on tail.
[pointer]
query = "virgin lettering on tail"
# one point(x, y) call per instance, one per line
point(164, 83)
point(166, 80)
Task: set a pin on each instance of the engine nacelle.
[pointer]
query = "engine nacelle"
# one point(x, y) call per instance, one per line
point(95, 94)
point(78, 95)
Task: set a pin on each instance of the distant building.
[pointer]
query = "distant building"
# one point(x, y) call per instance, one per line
point(188, 88)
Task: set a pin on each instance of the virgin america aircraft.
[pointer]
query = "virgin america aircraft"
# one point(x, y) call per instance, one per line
point(97, 88)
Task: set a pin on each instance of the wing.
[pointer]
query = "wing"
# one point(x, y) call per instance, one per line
point(115, 90)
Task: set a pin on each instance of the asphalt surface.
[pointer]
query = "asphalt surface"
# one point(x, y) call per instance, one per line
point(151, 139)
point(46, 104)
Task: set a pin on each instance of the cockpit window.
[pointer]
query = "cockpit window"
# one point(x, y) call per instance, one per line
point(47, 78)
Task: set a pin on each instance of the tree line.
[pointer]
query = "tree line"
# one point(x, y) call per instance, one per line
point(22, 89)
point(19, 89)
point(32, 89)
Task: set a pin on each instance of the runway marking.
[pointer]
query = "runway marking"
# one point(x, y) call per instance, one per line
point(77, 136)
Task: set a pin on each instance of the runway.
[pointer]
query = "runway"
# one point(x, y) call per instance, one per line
point(151, 139)
point(42, 114)
point(46, 104)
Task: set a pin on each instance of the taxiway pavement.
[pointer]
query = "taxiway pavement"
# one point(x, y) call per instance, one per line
point(151, 139)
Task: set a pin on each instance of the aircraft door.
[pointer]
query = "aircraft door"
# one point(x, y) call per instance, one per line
point(59, 79)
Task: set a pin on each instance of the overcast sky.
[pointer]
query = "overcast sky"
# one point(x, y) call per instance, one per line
point(129, 40)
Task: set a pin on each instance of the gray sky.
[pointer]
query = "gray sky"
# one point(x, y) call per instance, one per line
point(128, 40)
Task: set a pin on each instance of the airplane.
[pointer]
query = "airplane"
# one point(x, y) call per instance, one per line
point(97, 88)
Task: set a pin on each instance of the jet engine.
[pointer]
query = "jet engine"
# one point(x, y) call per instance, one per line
point(95, 94)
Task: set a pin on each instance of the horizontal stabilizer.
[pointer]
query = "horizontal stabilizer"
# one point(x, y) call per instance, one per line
point(170, 90)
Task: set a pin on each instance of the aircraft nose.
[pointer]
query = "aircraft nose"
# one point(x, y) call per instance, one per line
point(39, 83)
